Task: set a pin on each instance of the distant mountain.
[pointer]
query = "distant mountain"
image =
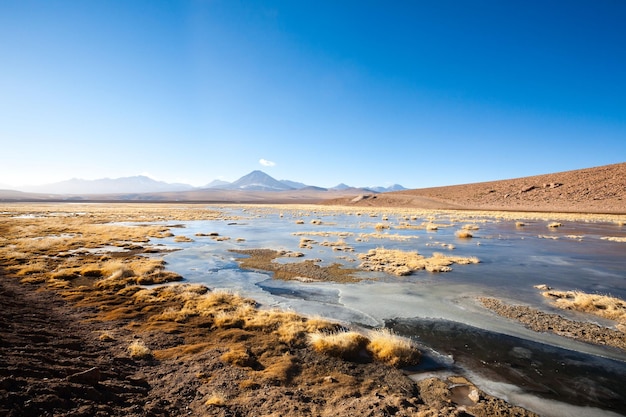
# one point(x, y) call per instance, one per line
point(258, 181)
point(136, 184)
point(217, 184)
point(344, 187)
point(293, 184)
point(341, 187)
point(140, 184)
point(395, 187)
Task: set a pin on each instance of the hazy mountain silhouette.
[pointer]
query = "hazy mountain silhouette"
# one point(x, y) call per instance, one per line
point(140, 184)
point(136, 184)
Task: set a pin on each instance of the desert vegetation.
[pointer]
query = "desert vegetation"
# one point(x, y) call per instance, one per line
point(380, 345)
point(402, 263)
point(605, 306)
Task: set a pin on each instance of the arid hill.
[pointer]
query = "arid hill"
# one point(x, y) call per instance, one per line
point(591, 190)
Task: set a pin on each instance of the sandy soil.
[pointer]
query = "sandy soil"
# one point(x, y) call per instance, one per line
point(593, 190)
point(77, 342)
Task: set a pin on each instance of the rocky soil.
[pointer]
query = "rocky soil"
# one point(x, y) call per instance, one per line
point(593, 190)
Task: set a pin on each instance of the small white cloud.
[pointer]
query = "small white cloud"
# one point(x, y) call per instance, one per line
point(266, 163)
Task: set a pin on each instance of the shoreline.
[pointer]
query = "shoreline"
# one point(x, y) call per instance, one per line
point(196, 354)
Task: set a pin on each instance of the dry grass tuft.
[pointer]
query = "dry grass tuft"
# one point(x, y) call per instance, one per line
point(600, 305)
point(138, 350)
point(382, 226)
point(216, 399)
point(463, 234)
point(381, 345)
point(402, 263)
point(391, 349)
point(106, 337)
point(239, 356)
point(347, 345)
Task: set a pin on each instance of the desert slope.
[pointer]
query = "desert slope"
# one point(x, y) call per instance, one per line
point(591, 190)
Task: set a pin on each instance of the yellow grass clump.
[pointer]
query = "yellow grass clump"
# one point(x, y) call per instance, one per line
point(379, 345)
point(600, 305)
point(382, 226)
point(463, 234)
point(138, 350)
point(216, 400)
point(348, 345)
point(392, 349)
point(402, 263)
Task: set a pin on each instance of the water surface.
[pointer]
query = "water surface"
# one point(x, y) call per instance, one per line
point(435, 308)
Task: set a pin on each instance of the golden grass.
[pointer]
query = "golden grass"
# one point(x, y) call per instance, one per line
point(392, 349)
point(402, 263)
point(239, 356)
point(382, 226)
point(463, 234)
point(348, 345)
point(138, 350)
point(106, 337)
point(216, 399)
point(600, 305)
point(380, 345)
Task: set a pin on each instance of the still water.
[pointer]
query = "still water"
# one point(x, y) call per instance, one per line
point(543, 372)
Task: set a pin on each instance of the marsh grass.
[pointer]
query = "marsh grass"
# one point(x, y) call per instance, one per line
point(380, 345)
point(600, 305)
point(347, 345)
point(403, 263)
point(463, 234)
point(392, 349)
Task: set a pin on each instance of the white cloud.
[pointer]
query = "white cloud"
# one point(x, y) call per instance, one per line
point(266, 163)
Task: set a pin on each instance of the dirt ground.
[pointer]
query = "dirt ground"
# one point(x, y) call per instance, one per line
point(593, 190)
point(75, 342)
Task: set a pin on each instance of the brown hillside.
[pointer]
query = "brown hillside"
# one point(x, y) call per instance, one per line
point(591, 190)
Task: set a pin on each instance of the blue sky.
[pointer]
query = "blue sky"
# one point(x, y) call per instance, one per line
point(361, 92)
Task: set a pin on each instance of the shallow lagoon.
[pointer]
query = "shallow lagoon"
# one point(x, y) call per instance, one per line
point(513, 258)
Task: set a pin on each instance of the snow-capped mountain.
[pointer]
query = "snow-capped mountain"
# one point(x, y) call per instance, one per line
point(257, 181)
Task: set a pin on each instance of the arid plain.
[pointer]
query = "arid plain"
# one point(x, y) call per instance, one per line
point(88, 328)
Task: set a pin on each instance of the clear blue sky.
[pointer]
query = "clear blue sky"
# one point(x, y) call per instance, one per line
point(420, 93)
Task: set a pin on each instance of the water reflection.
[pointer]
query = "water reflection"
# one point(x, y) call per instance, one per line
point(438, 309)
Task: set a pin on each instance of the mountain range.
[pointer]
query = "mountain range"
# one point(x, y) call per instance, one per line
point(254, 181)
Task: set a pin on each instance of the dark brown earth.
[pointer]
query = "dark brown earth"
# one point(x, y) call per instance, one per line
point(592, 190)
point(540, 321)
